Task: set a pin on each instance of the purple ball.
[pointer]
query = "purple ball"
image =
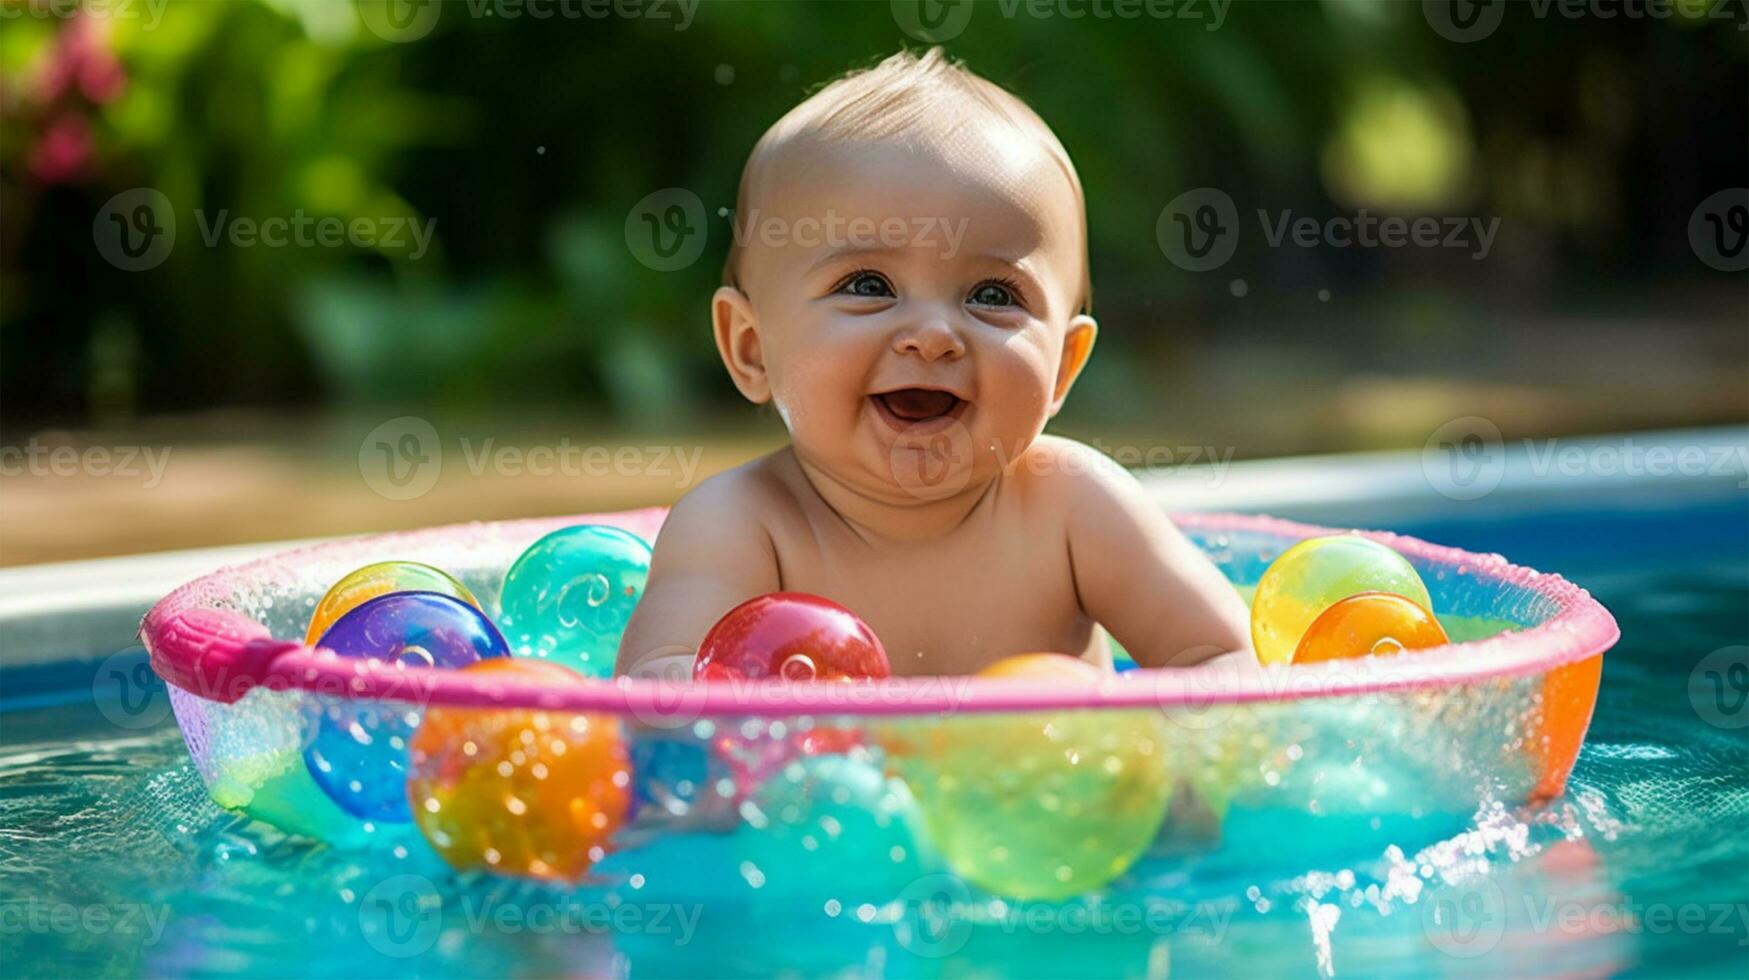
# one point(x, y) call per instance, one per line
point(358, 749)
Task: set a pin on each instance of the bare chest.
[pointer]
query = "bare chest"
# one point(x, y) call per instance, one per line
point(947, 606)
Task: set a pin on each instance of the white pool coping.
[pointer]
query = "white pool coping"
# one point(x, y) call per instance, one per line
point(92, 608)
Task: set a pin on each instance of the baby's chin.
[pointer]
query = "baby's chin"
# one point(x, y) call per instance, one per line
point(920, 465)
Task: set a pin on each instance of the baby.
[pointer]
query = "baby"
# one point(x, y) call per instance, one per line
point(910, 290)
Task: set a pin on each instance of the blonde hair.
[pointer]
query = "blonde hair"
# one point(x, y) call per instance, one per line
point(894, 98)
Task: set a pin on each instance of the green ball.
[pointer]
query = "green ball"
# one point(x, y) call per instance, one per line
point(1312, 575)
point(1039, 805)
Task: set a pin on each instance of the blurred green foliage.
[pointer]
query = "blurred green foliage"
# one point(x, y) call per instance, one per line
point(527, 141)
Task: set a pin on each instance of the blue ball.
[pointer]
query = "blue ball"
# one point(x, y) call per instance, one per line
point(358, 752)
point(568, 597)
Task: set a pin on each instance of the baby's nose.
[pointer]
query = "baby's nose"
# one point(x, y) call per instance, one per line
point(930, 339)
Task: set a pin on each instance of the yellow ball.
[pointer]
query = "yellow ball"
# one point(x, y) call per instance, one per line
point(380, 579)
point(1040, 805)
point(1313, 575)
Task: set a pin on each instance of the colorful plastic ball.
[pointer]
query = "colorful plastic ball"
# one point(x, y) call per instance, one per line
point(358, 754)
point(1038, 805)
point(568, 597)
point(1313, 575)
point(520, 791)
point(839, 813)
point(1366, 625)
point(791, 635)
point(381, 578)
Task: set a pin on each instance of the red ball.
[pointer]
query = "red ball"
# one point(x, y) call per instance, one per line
point(792, 635)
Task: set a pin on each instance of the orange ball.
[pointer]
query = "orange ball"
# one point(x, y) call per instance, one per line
point(1045, 667)
point(1369, 624)
point(520, 791)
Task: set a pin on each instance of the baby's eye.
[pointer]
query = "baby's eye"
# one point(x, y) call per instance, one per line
point(866, 284)
point(992, 294)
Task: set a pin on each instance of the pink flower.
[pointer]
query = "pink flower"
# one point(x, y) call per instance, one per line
point(81, 61)
point(61, 153)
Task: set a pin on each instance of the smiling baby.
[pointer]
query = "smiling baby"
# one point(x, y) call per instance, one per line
point(910, 290)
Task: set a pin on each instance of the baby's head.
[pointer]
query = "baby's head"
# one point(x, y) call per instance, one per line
point(909, 280)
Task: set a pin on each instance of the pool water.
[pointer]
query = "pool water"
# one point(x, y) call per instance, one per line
point(114, 861)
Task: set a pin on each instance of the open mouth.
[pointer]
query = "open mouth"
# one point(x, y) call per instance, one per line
point(906, 407)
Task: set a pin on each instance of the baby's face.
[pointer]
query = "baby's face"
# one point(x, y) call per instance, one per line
point(915, 304)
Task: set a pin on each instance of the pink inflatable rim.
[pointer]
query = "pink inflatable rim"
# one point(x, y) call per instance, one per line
point(220, 655)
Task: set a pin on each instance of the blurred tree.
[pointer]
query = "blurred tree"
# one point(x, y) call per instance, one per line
point(525, 142)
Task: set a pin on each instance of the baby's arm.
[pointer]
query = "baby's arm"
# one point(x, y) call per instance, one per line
point(1137, 575)
point(712, 554)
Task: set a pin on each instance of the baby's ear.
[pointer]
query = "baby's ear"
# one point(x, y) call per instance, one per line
point(737, 333)
point(1077, 347)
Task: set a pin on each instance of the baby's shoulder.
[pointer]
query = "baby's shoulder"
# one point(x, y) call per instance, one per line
point(749, 496)
point(1059, 470)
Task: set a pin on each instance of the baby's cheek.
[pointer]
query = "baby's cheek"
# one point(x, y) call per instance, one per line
point(1025, 379)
